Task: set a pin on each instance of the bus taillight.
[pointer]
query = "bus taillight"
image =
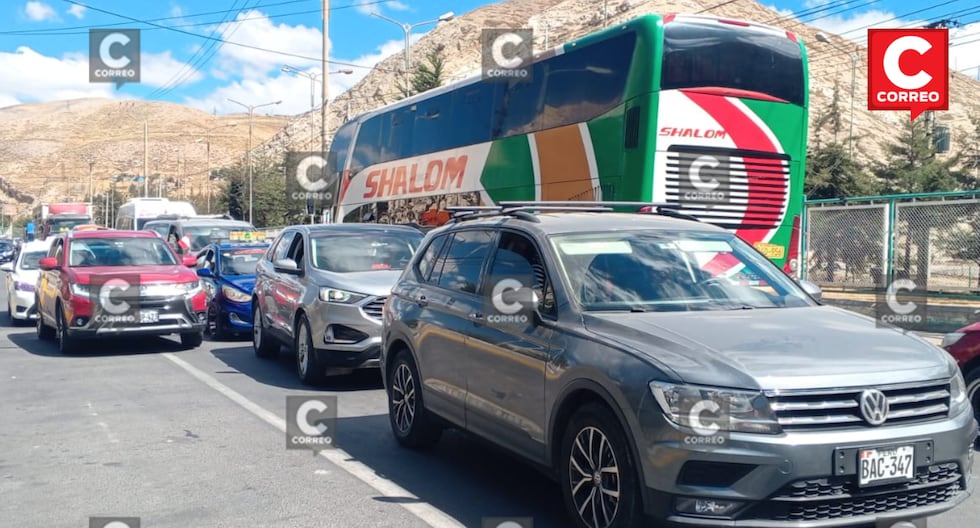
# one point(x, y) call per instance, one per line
point(793, 255)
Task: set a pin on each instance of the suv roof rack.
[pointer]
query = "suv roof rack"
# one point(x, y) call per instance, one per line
point(525, 210)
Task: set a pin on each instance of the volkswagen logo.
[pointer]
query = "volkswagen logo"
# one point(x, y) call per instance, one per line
point(874, 406)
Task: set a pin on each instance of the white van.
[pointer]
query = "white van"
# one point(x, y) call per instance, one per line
point(137, 211)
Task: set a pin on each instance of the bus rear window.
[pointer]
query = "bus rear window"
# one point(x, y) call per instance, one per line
point(700, 55)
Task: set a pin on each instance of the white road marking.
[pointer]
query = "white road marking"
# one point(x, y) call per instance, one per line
point(338, 457)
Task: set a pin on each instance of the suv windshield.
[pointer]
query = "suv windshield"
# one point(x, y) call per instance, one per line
point(30, 260)
point(642, 271)
point(364, 251)
point(121, 251)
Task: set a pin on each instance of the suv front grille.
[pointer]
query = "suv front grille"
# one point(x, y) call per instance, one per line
point(836, 497)
point(840, 408)
point(375, 307)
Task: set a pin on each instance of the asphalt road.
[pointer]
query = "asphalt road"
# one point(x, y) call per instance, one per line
point(195, 439)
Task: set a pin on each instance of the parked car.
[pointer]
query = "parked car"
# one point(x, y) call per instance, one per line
point(964, 346)
point(21, 278)
point(320, 289)
point(227, 272)
point(191, 235)
point(96, 284)
point(8, 252)
point(662, 367)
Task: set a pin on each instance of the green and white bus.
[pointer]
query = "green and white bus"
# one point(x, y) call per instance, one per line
point(706, 113)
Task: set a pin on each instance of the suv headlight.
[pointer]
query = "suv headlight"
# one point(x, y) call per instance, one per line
point(957, 393)
point(234, 294)
point(730, 410)
point(189, 288)
point(334, 295)
point(82, 290)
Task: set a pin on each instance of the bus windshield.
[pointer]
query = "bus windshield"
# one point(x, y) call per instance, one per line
point(699, 55)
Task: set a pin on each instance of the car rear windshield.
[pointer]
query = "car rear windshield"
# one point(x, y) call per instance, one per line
point(643, 271)
point(700, 55)
point(241, 261)
point(364, 251)
point(120, 251)
point(203, 234)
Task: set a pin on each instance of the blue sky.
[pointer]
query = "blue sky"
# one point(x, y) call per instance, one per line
point(44, 43)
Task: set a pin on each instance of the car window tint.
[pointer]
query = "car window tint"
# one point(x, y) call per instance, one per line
point(464, 260)
point(427, 261)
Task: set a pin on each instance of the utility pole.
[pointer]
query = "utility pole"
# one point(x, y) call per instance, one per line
point(325, 96)
point(146, 161)
point(91, 163)
point(945, 23)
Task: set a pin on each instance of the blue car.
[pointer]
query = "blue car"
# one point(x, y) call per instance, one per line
point(227, 272)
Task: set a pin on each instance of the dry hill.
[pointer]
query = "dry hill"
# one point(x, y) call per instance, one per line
point(45, 147)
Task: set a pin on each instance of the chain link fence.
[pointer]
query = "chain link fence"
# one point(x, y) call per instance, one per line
point(863, 243)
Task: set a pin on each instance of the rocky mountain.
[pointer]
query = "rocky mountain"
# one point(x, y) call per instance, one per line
point(45, 147)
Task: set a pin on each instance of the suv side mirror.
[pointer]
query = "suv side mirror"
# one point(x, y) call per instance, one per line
point(48, 263)
point(812, 289)
point(204, 272)
point(8, 267)
point(286, 266)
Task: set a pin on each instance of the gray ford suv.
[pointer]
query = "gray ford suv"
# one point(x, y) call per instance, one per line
point(320, 289)
point(662, 368)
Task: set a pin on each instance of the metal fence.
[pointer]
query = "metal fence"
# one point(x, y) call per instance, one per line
point(863, 243)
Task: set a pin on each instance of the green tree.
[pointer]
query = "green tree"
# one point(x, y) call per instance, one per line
point(271, 203)
point(831, 173)
point(427, 75)
point(911, 165)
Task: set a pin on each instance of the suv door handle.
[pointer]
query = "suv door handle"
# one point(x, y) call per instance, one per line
point(421, 300)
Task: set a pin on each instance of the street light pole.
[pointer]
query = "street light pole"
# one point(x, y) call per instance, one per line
point(248, 153)
point(850, 135)
point(407, 28)
point(91, 163)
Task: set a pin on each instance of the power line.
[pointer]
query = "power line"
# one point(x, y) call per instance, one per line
point(230, 43)
point(192, 64)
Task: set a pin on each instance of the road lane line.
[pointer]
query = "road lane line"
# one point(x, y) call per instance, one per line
point(426, 512)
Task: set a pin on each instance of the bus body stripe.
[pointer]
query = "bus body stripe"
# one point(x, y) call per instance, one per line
point(532, 143)
point(590, 156)
point(564, 166)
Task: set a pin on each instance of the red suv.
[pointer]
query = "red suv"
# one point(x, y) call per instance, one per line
point(964, 346)
point(105, 283)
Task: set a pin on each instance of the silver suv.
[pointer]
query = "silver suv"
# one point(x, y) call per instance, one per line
point(662, 367)
point(320, 290)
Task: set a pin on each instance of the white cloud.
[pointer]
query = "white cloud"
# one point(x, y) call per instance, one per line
point(367, 7)
point(39, 11)
point(293, 90)
point(30, 76)
point(964, 49)
point(159, 69)
point(176, 11)
point(297, 45)
point(77, 11)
